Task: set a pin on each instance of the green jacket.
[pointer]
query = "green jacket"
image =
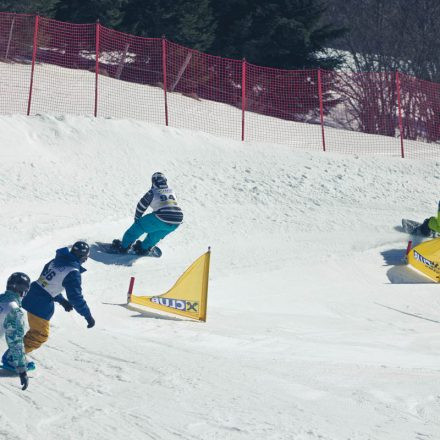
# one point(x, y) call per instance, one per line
point(12, 325)
point(434, 222)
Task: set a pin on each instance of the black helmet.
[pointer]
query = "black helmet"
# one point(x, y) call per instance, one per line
point(159, 180)
point(81, 250)
point(19, 283)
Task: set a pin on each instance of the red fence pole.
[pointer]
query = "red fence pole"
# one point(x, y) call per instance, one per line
point(399, 106)
point(34, 56)
point(243, 96)
point(164, 72)
point(321, 108)
point(97, 51)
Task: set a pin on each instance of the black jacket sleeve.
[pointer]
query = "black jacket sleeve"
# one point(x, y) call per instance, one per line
point(143, 204)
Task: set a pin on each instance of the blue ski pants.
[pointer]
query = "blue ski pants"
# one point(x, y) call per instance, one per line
point(148, 224)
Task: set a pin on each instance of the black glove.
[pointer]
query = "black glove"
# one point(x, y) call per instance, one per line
point(66, 304)
point(24, 380)
point(90, 322)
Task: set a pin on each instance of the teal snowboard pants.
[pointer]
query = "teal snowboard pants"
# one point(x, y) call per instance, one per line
point(148, 224)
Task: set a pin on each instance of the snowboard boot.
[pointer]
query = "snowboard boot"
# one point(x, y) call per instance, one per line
point(117, 246)
point(7, 363)
point(139, 250)
point(5, 358)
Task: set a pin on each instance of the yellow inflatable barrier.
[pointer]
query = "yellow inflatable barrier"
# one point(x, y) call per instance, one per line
point(425, 257)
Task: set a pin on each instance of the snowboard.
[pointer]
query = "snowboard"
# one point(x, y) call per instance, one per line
point(413, 228)
point(410, 226)
point(108, 249)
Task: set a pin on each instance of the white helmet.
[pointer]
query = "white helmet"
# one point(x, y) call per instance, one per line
point(158, 180)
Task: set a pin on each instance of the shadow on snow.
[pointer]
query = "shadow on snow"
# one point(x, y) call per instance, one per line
point(146, 313)
point(400, 272)
point(97, 254)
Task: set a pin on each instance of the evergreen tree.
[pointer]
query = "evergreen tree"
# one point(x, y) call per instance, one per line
point(187, 22)
point(196, 25)
point(108, 12)
point(286, 34)
point(44, 8)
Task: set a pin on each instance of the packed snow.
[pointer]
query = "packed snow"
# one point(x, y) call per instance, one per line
point(315, 328)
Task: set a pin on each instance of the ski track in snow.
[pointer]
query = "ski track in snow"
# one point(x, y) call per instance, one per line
point(311, 333)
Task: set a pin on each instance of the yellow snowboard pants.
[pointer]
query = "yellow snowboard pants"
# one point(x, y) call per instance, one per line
point(37, 334)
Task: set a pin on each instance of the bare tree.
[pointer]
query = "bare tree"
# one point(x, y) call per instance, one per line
point(390, 35)
point(385, 37)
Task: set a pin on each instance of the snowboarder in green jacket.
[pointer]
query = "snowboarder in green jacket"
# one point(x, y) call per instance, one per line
point(12, 324)
point(431, 225)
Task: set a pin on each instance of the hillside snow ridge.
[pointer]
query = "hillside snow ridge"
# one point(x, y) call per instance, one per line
point(310, 333)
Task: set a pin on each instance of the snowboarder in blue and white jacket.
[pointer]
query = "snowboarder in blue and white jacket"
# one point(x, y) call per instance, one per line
point(63, 272)
point(12, 325)
point(165, 218)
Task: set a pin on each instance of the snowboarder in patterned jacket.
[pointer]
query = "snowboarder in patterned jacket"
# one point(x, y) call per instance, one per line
point(165, 218)
point(431, 225)
point(63, 272)
point(12, 325)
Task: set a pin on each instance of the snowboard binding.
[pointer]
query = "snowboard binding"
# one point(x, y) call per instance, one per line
point(117, 247)
point(152, 251)
point(137, 248)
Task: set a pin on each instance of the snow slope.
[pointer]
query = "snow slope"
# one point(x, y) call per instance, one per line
point(313, 332)
point(59, 90)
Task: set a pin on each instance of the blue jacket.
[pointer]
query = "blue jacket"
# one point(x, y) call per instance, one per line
point(63, 272)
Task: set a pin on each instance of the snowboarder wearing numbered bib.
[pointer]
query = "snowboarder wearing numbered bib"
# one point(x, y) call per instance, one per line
point(165, 218)
point(12, 326)
point(63, 272)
